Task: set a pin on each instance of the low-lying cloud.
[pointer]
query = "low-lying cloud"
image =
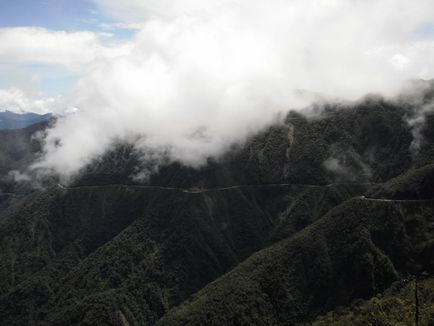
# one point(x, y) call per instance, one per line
point(198, 76)
point(15, 100)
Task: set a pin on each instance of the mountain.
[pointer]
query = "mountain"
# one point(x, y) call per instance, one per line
point(397, 305)
point(18, 148)
point(356, 250)
point(11, 120)
point(325, 219)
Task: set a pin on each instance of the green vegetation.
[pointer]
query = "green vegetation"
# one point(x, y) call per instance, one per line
point(396, 306)
point(165, 244)
point(17, 149)
point(333, 243)
point(414, 184)
point(370, 142)
point(353, 252)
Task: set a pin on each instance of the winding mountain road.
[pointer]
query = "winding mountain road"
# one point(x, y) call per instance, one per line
point(187, 190)
point(205, 190)
point(385, 200)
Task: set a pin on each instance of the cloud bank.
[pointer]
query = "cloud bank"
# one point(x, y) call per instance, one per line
point(198, 76)
point(73, 51)
point(15, 100)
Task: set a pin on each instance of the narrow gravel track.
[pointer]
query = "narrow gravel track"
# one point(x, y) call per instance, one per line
point(270, 185)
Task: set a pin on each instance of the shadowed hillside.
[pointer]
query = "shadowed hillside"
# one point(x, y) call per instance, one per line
point(397, 305)
point(18, 148)
point(357, 250)
point(107, 237)
point(301, 220)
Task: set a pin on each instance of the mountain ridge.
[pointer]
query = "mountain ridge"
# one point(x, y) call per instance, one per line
point(12, 120)
point(106, 249)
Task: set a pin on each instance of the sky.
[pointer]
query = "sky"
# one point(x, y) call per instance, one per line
point(191, 77)
point(66, 15)
point(54, 15)
point(97, 16)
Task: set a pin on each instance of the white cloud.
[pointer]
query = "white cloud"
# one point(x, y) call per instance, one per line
point(120, 26)
point(199, 75)
point(399, 61)
point(70, 50)
point(17, 101)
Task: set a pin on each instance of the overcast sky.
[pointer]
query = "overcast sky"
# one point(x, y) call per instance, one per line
point(194, 76)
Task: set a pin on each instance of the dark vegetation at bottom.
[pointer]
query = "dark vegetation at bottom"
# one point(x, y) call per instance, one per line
point(336, 247)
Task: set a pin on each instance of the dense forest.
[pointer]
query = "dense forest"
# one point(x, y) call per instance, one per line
point(325, 218)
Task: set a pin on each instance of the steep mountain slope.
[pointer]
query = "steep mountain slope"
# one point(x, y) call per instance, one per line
point(414, 184)
point(172, 244)
point(357, 250)
point(396, 306)
point(313, 197)
point(18, 148)
point(366, 142)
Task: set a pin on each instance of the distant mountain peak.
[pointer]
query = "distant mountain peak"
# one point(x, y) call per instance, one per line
point(13, 120)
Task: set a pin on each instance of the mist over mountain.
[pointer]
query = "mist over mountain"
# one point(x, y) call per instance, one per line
point(192, 80)
point(219, 162)
point(270, 233)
